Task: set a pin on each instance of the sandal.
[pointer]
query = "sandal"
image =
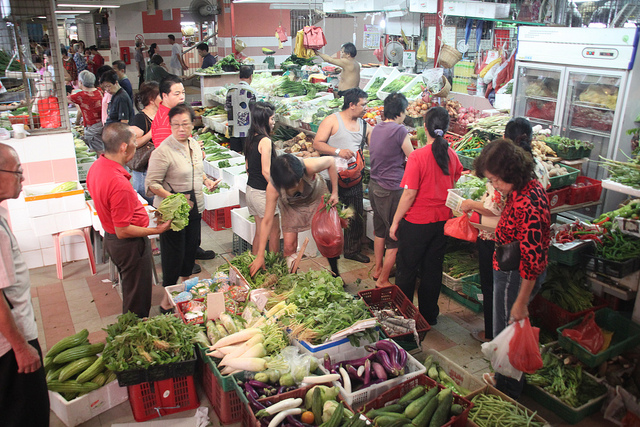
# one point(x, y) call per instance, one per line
point(479, 335)
point(489, 378)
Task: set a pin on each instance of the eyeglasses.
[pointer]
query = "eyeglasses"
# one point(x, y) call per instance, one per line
point(19, 173)
point(181, 125)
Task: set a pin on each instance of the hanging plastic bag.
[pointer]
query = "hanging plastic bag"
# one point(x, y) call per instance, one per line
point(461, 228)
point(497, 351)
point(421, 55)
point(588, 334)
point(314, 38)
point(327, 231)
point(524, 348)
point(49, 111)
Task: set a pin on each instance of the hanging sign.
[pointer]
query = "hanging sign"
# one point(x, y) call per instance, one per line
point(371, 37)
point(409, 58)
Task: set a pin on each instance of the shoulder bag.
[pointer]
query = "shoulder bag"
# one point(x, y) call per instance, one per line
point(353, 174)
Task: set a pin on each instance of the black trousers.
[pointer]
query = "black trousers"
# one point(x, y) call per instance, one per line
point(353, 234)
point(485, 261)
point(421, 249)
point(178, 249)
point(140, 79)
point(24, 400)
point(134, 260)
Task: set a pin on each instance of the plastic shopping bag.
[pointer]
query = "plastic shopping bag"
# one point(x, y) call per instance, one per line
point(421, 55)
point(326, 230)
point(497, 351)
point(461, 228)
point(588, 334)
point(524, 348)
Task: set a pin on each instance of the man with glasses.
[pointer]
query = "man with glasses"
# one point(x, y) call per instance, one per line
point(124, 219)
point(24, 400)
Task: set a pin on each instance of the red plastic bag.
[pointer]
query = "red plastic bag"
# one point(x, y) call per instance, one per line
point(326, 230)
point(524, 348)
point(314, 37)
point(588, 334)
point(461, 228)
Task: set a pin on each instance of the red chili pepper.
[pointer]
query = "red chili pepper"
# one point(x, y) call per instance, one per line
point(603, 221)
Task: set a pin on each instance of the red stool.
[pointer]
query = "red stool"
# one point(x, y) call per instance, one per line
point(219, 219)
point(84, 232)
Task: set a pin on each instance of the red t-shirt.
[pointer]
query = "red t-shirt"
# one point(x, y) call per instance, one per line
point(423, 174)
point(160, 127)
point(115, 199)
point(90, 105)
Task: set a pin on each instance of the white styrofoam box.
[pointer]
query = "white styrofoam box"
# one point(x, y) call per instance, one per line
point(220, 127)
point(169, 289)
point(83, 169)
point(386, 72)
point(80, 218)
point(382, 94)
point(416, 81)
point(234, 176)
point(241, 225)
point(39, 150)
point(33, 259)
point(352, 6)
point(223, 199)
point(369, 230)
point(503, 101)
point(217, 172)
point(17, 204)
point(62, 147)
point(486, 10)
point(64, 221)
point(358, 398)
point(458, 374)
point(455, 8)
point(27, 240)
point(40, 202)
point(83, 408)
point(43, 225)
point(312, 248)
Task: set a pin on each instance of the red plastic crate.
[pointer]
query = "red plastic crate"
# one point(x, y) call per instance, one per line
point(589, 193)
point(227, 404)
point(219, 219)
point(181, 307)
point(551, 316)
point(558, 197)
point(400, 390)
point(156, 399)
point(393, 296)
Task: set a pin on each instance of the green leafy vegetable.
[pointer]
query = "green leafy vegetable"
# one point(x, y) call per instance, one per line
point(175, 208)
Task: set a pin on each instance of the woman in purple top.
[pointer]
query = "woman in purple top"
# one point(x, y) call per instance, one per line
point(390, 145)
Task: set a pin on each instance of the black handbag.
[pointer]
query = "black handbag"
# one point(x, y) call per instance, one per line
point(508, 256)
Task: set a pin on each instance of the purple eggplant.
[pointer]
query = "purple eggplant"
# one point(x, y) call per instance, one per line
point(385, 361)
point(281, 389)
point(402, 357)
point(356, 363)
point(367, 372)
point(379, 371)
point(353, 372)
point(391, 349)
point(258, 384)
point(250, 391)
point(255, 405)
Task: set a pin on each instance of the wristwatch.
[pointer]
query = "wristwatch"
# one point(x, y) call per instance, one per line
point(337, 151)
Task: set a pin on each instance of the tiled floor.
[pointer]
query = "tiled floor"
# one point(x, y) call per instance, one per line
point(83, 301)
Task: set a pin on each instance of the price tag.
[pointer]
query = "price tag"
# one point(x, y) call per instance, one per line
point(409, 59)
point(215, 305)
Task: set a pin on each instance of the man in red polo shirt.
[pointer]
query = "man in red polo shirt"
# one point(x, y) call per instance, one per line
point(124, 219)
point(172, 94)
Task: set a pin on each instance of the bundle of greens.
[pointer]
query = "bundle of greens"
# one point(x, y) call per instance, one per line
point(475, 185)
point(133, 343)
point(222, 185)
point(566, 287)
point(175, 208)
point(275, 265)
point(567, 382)
point(460, 263)
point(295, 60)
point(627, 173)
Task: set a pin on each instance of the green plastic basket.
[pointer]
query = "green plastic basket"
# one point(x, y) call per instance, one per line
point(564, 180)
point(626, 335)
point(570, 257)
point(570, 153)
point(466, 301)
point(466, 160)
point(473, 290)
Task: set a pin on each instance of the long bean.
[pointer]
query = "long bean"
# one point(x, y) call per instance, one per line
point(490, 410)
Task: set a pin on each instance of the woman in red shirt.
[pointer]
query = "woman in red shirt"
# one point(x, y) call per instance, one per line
point(525, 219)
point(418, 224)
point(89, 102)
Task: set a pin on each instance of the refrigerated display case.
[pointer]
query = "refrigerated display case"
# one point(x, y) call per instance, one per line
point(582, 84)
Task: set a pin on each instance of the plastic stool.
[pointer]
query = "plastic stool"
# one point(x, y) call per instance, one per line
point(84, 232)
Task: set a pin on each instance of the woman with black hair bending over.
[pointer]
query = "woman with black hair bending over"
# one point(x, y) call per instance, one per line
point(260, 153)
point(297, 187)
point(418, 224)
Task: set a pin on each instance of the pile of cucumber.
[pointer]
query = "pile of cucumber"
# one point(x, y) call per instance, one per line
point(420, 407)
point(74, 368)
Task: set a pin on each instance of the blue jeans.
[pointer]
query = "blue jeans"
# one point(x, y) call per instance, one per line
point(137, 180)
point(506, 286)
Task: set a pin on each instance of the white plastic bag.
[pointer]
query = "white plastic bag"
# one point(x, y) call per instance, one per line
point(497, 351)
point(432, 79)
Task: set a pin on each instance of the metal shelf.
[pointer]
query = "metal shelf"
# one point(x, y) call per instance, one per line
point(590, 131)
point(542, 98)
point(592, 106)
point(620, 188)
point(543, 121)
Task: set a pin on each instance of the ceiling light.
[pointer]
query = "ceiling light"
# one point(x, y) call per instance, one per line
point(103, 6)
point(72, 12)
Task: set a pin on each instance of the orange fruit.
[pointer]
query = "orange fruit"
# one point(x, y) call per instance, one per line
point(307, 417)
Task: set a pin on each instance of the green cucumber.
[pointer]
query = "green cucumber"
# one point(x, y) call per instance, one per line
point(417, 405)
point(396, 408)
point(441, 416)
point(423, 418)
point(413, 394)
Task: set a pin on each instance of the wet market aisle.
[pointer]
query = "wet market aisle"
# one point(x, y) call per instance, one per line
point(80, 301)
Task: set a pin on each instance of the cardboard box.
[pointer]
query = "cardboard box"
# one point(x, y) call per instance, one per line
point(83, 408)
